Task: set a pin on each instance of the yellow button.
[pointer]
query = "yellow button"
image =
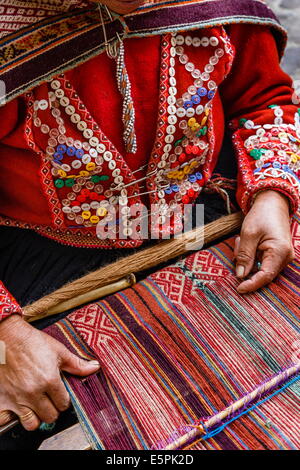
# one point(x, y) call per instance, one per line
point(84, 173)
point(170, 175)
point(180, 175)
point(186, 169)
point(86, 215)
point(62, 173)
point(195, 127)
point(294, 158)
point(101, 211)
point(207, 112)
point(90, 166)
point(194, 164)
point(94, 219)
point(204, 121)
point(191, 121)
point(72, 176)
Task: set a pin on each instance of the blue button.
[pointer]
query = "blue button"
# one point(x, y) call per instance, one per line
point(71, 151)
point(192, 179)
point(276, 165)
point(187, 104)
point(175, 188)
point(196, 99)
point(61, 148)
point(210, 94)
point(79, 153)
point(168, 191)
point(202, 91)
point(58, 156)
point(198, 175)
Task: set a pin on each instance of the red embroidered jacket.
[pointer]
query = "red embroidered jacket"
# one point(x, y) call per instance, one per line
point(62, 155)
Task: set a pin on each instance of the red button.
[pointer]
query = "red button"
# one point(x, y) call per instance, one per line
point(182, 157)
point(85, 192)
point(75, 203)
point(185, 199)
point(188, 149)
point(195, 150)
point(191, 193)
point(94, 196)
point(101, 198)
point(81, 198)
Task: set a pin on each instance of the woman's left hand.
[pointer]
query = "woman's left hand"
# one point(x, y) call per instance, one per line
point(266, 237)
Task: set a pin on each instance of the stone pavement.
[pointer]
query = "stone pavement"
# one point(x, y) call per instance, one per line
point(288, 12)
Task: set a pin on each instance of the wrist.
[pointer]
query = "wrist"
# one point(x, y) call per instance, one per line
point(9, 324)
point(270, 196)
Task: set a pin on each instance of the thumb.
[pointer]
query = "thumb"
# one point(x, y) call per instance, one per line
point(77, 366)
point(246, 248)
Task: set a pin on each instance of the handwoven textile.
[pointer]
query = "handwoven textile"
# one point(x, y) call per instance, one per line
point(182, 345)
point(41, 38)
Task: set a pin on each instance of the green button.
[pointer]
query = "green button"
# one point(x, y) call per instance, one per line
point(273, 106)
point(178, 142)
point(242, 121)
point(70, 182)
point(299, 111)
point(204, 130)
point(95, 179)
point(59, 183)
point(256, 154)
point(104, 178)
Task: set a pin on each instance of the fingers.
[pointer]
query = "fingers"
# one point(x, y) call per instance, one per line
point(6, 417)
point(28, 418)
point(245, 252)
point(273, 261)
point(46, 411)
point(75, 365)
point(58, 394)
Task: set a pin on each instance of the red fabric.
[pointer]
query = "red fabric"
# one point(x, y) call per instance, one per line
point(255, 82)
point(8, 305)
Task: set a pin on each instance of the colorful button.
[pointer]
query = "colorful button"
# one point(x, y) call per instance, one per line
point(59, 183)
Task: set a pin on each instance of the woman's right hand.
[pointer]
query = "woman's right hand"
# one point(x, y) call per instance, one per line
point(30, 383)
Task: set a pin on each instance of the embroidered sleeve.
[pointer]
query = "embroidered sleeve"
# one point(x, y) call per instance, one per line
point(264, 118)
point(8, 305)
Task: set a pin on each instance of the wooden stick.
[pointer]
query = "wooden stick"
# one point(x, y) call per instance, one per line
point(270, 385)
point(82, 299)
point(137, 262)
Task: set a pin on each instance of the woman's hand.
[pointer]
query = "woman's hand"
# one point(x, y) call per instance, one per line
point(266, 237)
point(30, 382)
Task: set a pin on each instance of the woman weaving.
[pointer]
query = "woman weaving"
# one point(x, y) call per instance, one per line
point(92, 120)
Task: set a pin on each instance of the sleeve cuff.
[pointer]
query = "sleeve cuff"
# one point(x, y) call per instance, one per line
point(8, 304)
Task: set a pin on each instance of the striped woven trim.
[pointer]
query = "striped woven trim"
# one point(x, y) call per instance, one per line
point(57, 44)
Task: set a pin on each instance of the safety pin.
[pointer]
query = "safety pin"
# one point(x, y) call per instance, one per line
point(118, 188)
point(149, 192)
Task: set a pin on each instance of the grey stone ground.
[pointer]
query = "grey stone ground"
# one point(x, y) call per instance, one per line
point(288, 12)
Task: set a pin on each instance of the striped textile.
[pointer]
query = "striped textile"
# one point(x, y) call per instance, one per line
point(182, 345)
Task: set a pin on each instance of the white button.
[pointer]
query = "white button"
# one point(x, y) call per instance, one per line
point(172, 61)
point(189, 66)
point(93, 152)
point(76, 164)
point(171, 71)
point(94, 141)
point(59, 93)
point(112, 164)
point(171, 100)
point(43, 104)
point(205, 41)
point(172, 52)
point(199, 109)
point(171, 129)
point(214, 41)
point(81, 126)
point(101, 148)
point(75, 118)
point(188, 40)
point(190, 112)
point(107, 156)
point(55, 84)
point(196, 73)
point(181, 112)
point(169, 139)
point(172, 81)
point(179, 40)
point(168, 147)
point(65, 167)
point(196, 42)
point(172, 90)
point(86, 159)
point(88, 133)
point(64, 101)
point(172, 119)
point(70, 110)
point(172, 109)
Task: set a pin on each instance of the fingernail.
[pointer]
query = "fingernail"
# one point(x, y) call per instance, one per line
point(240, 271)
point(94, 363)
